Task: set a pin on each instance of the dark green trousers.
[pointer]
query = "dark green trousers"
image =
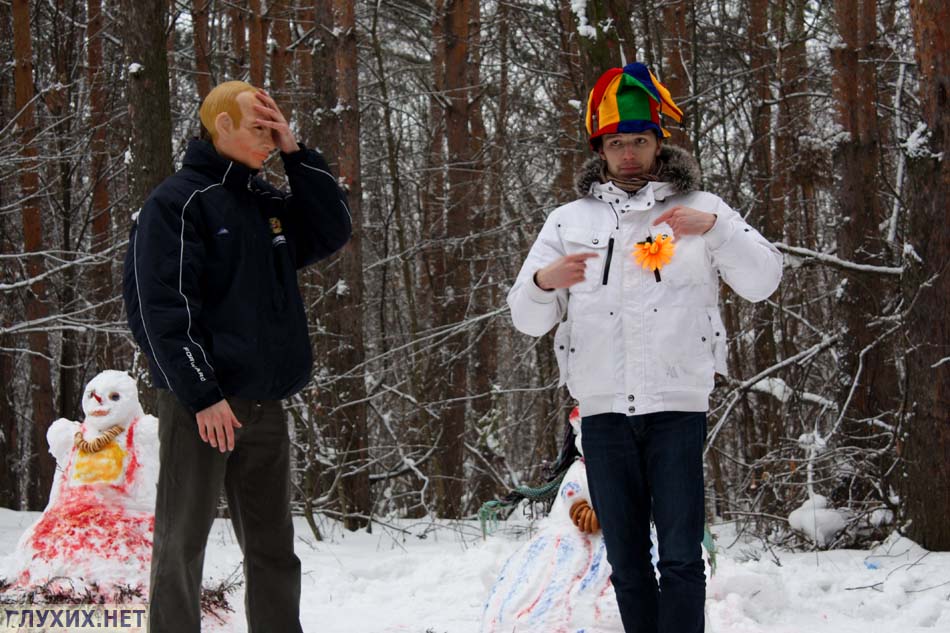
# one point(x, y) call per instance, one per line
point(256, 479)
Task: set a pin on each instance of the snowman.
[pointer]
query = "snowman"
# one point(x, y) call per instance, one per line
point(97, 527)
point(559, 581)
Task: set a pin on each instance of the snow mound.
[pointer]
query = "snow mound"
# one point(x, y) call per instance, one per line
point(817, 521)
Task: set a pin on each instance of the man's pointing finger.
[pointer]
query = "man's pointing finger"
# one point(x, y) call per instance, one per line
point(579, 257)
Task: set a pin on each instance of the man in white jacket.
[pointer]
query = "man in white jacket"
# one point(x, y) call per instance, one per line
point(630, 274)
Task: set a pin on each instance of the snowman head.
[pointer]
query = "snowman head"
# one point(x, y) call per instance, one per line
point(575, 420)
point(110, 398)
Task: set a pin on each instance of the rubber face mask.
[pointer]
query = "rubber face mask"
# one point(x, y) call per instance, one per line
point(248, 143)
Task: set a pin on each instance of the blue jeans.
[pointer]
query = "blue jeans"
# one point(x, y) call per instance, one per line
point(637, 467)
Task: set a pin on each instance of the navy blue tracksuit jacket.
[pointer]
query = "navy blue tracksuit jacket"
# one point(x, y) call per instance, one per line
point(210, 282)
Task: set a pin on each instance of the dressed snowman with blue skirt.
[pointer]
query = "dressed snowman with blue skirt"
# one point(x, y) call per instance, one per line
point(559, 581)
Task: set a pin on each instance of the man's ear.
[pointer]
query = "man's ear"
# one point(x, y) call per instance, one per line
point(223, 124)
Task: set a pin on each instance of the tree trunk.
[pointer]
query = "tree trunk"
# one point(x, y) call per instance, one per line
point(9, 435)
point(647, 27)
point(324, 126)
point(760, 56)
point(61, 43)
point(862, 215)
point(150, 122)
point(792, 175)
point(768, 426)
point(927, 450)
point(620, 12)
point(302, 59)
point(320, 131)
point(427, 425)
point(345, 306)
point(602, 51)
point(41, 464)
point(237, 11)
point(101, 214)
point(678, 50)
point(149, 108)
point(483, 364)
point(199, 18)
point(280, 55)
point(571, 141)
point(799, 165)
point(454, 278)
point(257, 40)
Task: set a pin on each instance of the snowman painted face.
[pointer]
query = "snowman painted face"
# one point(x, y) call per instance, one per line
point(110, 398)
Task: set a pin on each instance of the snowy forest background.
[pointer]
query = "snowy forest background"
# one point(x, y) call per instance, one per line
point(456, 126)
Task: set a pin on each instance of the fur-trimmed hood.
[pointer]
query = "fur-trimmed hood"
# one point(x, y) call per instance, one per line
point(680, 173)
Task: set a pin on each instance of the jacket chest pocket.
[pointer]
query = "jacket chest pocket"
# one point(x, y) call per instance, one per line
point(690, 264)
point(596, 242)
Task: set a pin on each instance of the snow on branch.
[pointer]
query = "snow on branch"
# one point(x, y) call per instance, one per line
point(779, 389)
point(579, 7)
point(837, 262)
point(99, 257)
point(736, 394)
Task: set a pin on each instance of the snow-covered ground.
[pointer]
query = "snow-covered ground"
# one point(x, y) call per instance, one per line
point(425, 577)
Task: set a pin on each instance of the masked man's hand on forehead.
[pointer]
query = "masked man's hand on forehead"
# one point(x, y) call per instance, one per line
point(270, 116)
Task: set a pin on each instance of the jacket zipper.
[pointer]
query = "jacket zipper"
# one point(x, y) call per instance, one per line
point(610, 253)
point(610, 245)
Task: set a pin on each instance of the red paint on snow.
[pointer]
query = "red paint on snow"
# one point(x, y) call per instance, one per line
point(91, 521)
point(579, 576)
point(603, 592)
point(132, 467)
point(80, 527)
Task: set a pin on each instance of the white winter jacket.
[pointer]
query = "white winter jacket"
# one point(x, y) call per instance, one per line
point(626, 343)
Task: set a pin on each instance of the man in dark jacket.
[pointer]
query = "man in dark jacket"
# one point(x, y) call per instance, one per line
point(212, 299)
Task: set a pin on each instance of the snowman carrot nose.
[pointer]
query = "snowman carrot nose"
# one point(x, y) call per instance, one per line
point(98, 399)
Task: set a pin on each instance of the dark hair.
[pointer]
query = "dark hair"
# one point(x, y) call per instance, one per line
point(554, 474)
point(568, 454)
point(492, 510)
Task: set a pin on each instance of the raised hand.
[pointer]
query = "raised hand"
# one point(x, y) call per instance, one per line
point(273, 118)
point(686, 221)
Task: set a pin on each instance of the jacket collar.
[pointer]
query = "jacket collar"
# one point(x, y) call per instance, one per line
point(203, 157)
point(611, 193)
point(680, 174)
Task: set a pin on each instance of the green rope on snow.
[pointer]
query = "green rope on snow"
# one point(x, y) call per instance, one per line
point(488, 513)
